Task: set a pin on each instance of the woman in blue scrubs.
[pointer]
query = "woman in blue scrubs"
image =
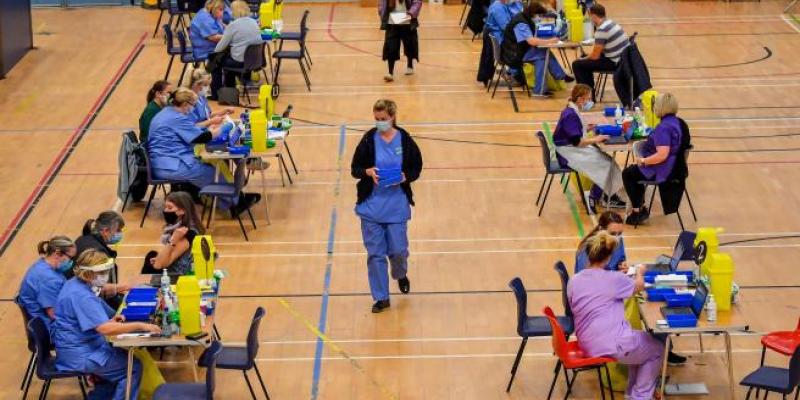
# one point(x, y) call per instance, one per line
point(84, 321)
point(386, 161)
point(610, 222)
point(206, 29)
point(43, 281)
point(201, 113)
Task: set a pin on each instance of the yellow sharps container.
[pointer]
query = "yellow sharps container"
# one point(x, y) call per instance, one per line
point(188, 291)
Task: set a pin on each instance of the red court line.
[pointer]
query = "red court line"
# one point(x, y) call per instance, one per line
point(42, 184)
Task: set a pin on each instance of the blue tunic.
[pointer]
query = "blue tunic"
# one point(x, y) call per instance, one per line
point(499, 16)
point(617, 258)
point(386, 204)
point(169, 144)
point(79, 312)
point(203, 26)
point(201, 111)
point(39, 290)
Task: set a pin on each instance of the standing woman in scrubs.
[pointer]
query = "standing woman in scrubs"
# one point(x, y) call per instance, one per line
point(83, 323)
point(385, 210)
point(596, 296)
point(201, 113)
point(206, 29)
point(45, 278)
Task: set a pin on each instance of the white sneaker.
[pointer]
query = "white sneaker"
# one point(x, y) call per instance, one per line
point(388, 78)
point(409, 71)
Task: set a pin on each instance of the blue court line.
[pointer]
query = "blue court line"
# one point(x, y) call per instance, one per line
point(323, 312)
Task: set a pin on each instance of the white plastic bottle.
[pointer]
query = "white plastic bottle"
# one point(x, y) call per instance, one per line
point(711, 311)
point(165, 298)
point(618, 115)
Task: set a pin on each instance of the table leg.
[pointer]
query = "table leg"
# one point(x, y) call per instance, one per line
point(194, 363)
point(264, 195)
point(129, 374)
point(269, 60)
point(664, 366)
point(546, 61)
point(730, 364)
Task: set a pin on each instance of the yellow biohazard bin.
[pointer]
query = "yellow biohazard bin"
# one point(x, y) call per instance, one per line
point(188, 291)
point(720, 274)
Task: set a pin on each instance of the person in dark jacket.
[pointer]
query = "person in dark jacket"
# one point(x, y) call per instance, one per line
point(99, 234)
point(399, 18)
point(385, 161)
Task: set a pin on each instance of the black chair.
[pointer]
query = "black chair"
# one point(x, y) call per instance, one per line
point(530, 326)
point(551, 169)
point(199, 391)
point(243, 358)
point(26, 318)
point(502, 71)
point(254, 60)
point(154, 184)
point(163, 5)
point(172, 50)
point(231, 190)
point(45, 363)
point(600, 84)
point(773, 379)
point(654, 185)
point(296, 36)
point(255, 6)
point(461, 22)
point(298, 55)
point(187, 56)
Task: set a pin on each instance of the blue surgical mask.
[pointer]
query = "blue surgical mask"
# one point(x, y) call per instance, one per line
point(383, 126)
point(115, 238)
point(65, 265)
point(588, 105)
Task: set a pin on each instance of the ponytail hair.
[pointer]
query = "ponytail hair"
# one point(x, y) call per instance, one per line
point(606, 218)
point(55, 244)
point(106, 219)
point(159, 86)
point(600, 247)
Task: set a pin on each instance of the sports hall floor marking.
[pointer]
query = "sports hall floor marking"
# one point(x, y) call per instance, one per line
point(790, 22)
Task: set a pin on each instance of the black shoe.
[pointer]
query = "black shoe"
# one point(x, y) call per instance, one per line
point(592, 204)
point(675, 359)
point(615, 202)
point(639, 217)
point(569, 79)
point(546, 95)
point(246, 200)
point(404, 284)
point(380, 305)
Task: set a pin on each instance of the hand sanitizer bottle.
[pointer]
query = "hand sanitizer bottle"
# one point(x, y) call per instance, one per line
point(711, 312)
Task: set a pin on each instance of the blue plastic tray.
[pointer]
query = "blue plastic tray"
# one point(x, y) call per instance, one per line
point(610, 130)
point(138, 313)
point(678, 300)
point(681, 321)
point(650, 276)
point(657, 294)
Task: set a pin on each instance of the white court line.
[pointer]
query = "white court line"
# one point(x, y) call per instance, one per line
point(469, 240)
point(783, 17)
point(370, 124)
point(476, 180)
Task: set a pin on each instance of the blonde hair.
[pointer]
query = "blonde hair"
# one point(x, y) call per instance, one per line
point(600, 247)
point(183, 96)
point(89, 258)
point(212, 5)
point(199, 75)
point(240, 9)
point(579, 91)
point(666, 103)
point(389, 106)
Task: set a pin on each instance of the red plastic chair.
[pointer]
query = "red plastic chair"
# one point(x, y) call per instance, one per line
point(571, 357)
point(784, 342)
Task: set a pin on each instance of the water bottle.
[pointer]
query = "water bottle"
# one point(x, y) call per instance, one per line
point(165, 326)
point(711, 309)
point(618, 115)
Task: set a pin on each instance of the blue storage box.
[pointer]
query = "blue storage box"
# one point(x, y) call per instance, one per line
point(546, 31)
point(243, 150)
point(657, 294)
point(610, 130)
point(609, 111)
point(650, 276)
point(682, 321)
point(138, 313)
point(144, 291)
point(679, 300)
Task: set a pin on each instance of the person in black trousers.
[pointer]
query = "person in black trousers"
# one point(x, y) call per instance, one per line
point(399, 20)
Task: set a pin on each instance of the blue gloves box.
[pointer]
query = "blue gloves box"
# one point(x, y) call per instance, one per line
point(389, 176)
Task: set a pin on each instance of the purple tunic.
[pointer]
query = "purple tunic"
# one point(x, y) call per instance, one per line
point(569, 131)
point(667, 133)
point(597, 299)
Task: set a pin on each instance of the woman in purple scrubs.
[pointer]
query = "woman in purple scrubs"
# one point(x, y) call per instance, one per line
point(597, 298)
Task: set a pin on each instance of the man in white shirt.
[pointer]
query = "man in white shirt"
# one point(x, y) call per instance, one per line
point(609, 42)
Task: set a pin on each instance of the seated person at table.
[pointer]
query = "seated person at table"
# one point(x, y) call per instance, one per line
point(201, 114)
point(99, 234)
point(157, 98)
point(610, 222)
point(239, 35)
point(579, 152)
point(45, 278)
point(182, 225)
point(79, 333)
point(170, 146)
point(206, 29)
point(609, 41)
point(520, 46)
point(655, 156)
point(500, 14)
point(597, 297)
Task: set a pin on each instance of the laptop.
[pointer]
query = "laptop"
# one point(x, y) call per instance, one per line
point(666, 264)
point(698, 301)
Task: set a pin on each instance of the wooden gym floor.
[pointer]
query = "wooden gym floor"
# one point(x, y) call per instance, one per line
point(733, 67)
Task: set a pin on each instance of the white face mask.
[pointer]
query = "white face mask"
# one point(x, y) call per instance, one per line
point(100, 280)
point(204, 92)
point(164, 99)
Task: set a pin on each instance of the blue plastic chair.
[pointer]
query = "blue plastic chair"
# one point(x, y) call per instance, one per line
point(228, 190)
point(154, 184)
point(551, 169)
point(528, 326)
point(172, 49)
point(26, 318)
point(45, 363)
point(773, 379)
point(243, 358)
point(298, 55)
point(296, 36)
point(194, 391)
point(187, 56)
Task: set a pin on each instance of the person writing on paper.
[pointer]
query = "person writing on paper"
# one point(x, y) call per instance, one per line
point(655, 156)
point(182, 224)
point(201, 113)
point(385, 162)
point(84, 321)
point(597, 297)
point(399, 20)
point(576, 150)
point(609, 42)
point(520, 46)
point(242, 33)
point(44, 279)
